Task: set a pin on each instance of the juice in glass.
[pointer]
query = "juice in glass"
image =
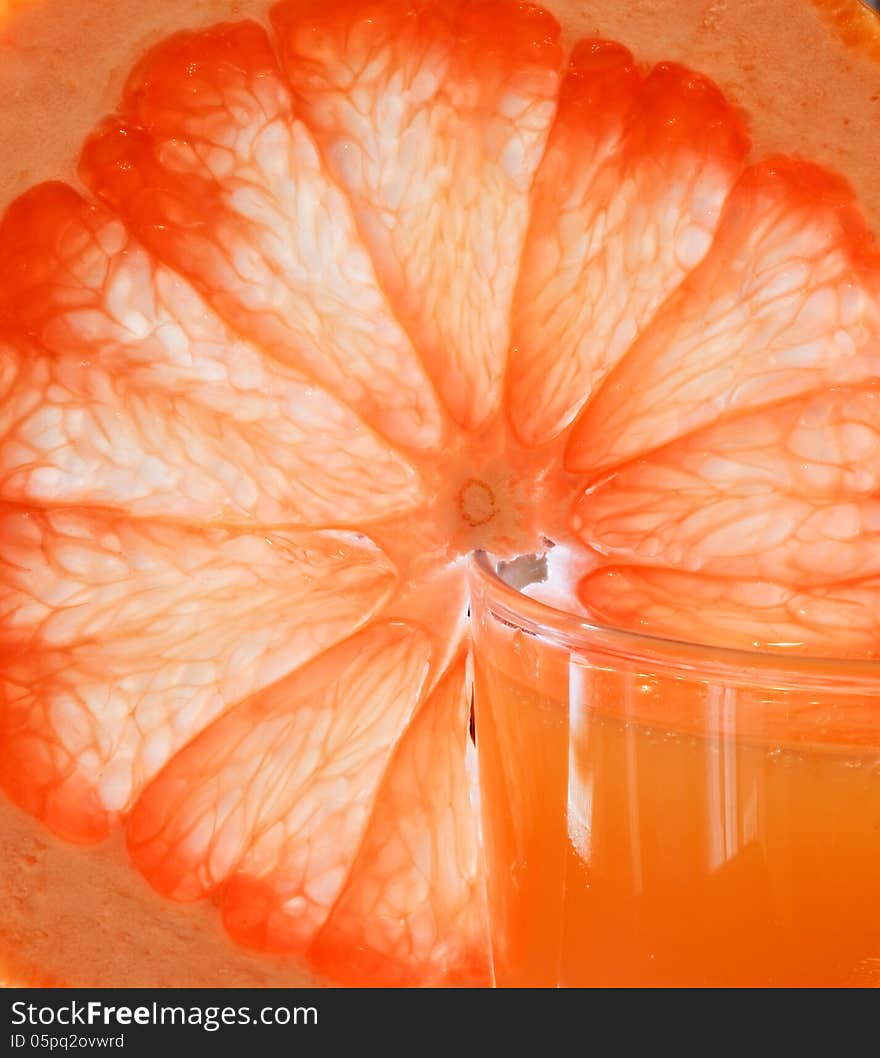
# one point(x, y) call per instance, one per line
point(658, 814)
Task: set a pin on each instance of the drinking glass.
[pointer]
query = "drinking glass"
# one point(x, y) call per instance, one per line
point(661, 813)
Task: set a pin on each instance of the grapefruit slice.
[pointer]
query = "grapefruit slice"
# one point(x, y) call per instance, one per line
point(625, 205)
point(95, 328)
point(210, 164)
point(123, 638)
point(311, 328)
point(435, 131)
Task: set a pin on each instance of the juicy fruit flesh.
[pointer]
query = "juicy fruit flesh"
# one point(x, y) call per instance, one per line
point(324, 329)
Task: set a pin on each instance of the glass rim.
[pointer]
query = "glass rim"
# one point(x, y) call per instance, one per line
point(576, 632)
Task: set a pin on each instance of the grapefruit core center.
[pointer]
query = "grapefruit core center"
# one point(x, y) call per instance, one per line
point(497, 496)
point(477, 502)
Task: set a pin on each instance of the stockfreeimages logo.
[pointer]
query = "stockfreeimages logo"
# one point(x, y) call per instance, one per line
point(211, 1018)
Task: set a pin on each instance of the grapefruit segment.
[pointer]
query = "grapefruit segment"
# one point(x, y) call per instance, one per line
point(211, 168)
point(412, 910)
point(626, 203)
point(786, 302)
point(434, 117)
point(122, 640)
point(123, 388)
point(273, 800)
point(829, 620)
point(788, 494)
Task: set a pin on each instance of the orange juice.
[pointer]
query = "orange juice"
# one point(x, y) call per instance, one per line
point(626, 853)
point(676, 819)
